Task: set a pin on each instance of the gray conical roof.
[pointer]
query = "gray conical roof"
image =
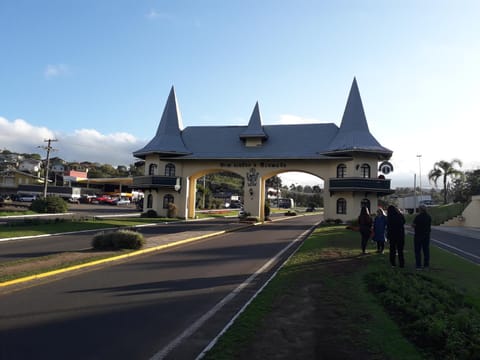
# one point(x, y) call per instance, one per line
point(354, 134)
point(254, 128)
point(168, 139)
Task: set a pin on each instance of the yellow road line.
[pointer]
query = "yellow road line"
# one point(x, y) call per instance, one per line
point(107, 260)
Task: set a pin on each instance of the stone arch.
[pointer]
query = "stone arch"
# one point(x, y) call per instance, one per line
point(256, 152)
point(272, 173)
point(192, 185)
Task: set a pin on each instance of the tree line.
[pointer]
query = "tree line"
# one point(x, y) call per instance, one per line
point(457, 185)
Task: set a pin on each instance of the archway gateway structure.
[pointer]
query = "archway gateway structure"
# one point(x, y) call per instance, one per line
point(347, 159)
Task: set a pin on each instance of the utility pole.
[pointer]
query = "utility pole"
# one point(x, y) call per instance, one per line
point(420, 174)
point(45, 180)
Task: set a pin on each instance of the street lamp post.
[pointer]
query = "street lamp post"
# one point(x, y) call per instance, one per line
point(420, 174)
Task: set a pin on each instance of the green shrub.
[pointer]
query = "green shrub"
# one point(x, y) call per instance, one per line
point(149, 214)
point(50, 205)
point(122, 239)
point(432, 315)
point(290, 213)
point(172, 210)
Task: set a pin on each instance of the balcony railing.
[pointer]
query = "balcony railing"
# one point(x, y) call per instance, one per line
point(157, 182)
point(360, 184)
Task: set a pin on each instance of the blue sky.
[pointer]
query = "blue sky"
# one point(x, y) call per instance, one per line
point(95, 74)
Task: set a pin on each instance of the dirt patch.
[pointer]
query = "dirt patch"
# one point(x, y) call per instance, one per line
point(313, 321)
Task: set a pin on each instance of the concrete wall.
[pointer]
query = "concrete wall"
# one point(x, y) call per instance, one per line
point(470, 216)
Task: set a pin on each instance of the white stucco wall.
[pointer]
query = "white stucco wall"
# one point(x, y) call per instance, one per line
point(255, 173)
point(471, 214)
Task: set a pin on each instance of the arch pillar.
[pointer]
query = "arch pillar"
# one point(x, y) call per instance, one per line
point(254, 194)
point(192, 190)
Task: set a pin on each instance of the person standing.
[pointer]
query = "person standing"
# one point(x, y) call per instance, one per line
point(396, 235)
point(365, 225)
point(379, 227)
point(422, 224)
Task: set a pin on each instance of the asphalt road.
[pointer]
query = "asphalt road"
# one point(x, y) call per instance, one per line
point(41, 246)
point(462, 242)
point(165, 305)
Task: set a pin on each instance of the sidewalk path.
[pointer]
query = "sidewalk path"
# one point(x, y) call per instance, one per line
point(470, 232)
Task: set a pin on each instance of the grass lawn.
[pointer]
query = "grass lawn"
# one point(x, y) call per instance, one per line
point(41, 227)
point(325, 280)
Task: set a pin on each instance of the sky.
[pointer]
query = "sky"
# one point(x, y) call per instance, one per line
point(95, 75)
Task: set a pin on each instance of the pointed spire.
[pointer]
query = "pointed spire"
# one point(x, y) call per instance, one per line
point(254, 128)
point(354, 133)
point(354, 115)
point(168, 139)
point(171, 121)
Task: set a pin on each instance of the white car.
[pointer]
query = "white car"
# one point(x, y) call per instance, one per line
point(27, 198)
point(121, 202)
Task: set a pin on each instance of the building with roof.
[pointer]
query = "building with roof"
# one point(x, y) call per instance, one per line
point(348, 158)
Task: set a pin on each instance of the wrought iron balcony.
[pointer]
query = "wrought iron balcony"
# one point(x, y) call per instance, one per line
point(381, 186)
point(157, 182)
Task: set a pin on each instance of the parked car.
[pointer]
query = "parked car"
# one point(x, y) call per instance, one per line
point(86, 199)
point(103, 199)
point(26, 197)
point(121, 201)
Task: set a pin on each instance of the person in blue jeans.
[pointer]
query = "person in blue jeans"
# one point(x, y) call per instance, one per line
point(379, 228)
point(422, 224)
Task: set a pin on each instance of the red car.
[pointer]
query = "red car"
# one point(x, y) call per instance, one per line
point(103, 199)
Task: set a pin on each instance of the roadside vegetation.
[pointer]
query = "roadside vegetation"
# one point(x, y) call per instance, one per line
point(360, 306)
point(440, 213)
point(115, 240)
point(40, 226)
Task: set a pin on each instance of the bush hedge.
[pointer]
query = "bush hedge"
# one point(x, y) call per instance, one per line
point(431, 314)
point(50, 205)
point(149, 214)
point(115, 240)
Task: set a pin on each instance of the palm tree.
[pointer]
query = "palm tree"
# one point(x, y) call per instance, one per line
point(445, 169)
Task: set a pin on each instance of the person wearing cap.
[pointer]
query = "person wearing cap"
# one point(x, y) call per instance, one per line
point(422, 224)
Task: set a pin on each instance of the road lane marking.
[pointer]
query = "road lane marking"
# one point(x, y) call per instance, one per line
point(456, 249)
point(107, 260)
point(209, 314)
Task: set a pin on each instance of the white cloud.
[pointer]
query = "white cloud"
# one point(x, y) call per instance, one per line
point(82, 145)
point(52, 71)
point(21, 135)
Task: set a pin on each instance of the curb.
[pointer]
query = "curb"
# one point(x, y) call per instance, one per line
point(114, 258)
point(125, 256)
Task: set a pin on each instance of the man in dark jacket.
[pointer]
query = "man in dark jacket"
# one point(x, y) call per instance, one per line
point(396, 235)
point(422, 225)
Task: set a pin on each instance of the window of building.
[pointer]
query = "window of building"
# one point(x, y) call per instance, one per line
point(365, 170)
point(341, 171)
point(152, 169)
point(169, 169)
point(167, 199)
point(149, 201)
point(341, 206)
